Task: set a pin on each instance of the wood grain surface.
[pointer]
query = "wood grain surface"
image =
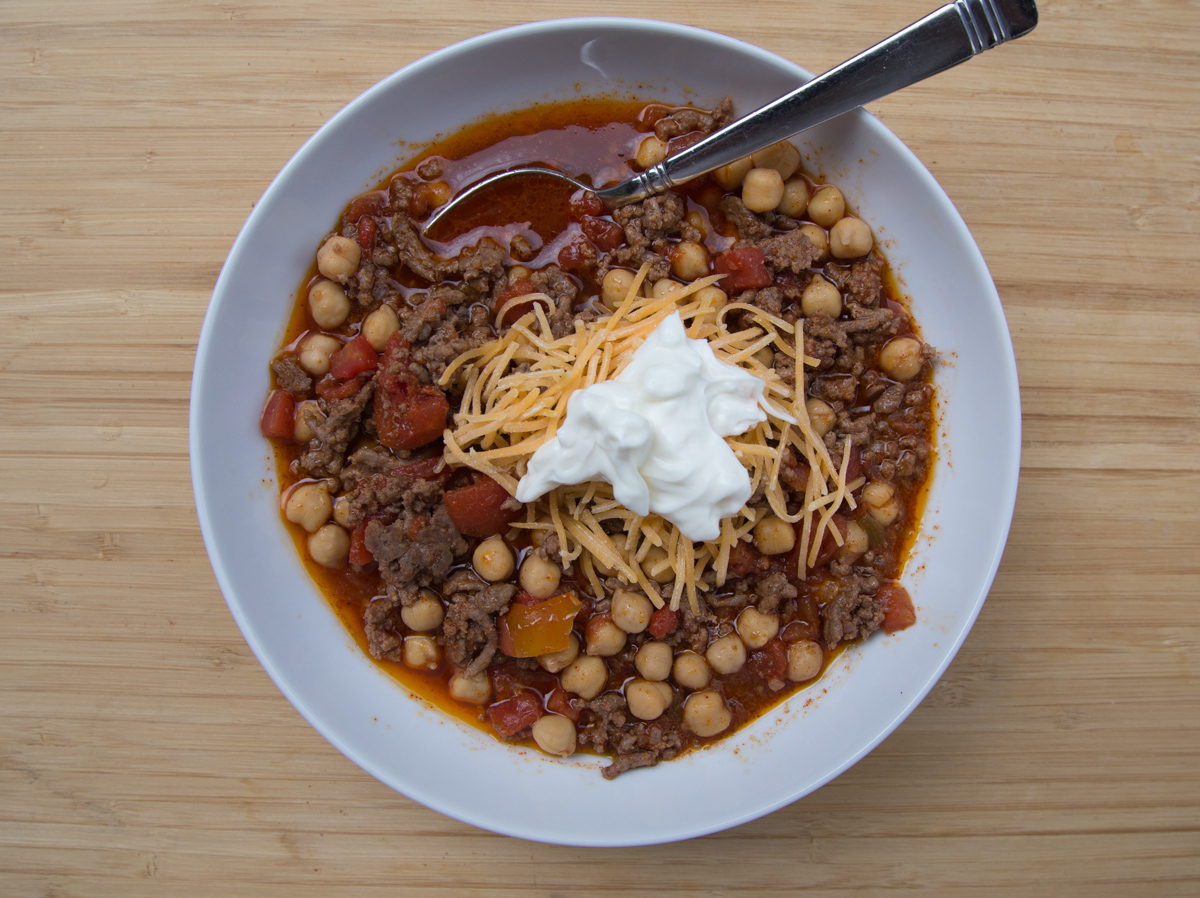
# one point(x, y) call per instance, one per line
point(143, 751)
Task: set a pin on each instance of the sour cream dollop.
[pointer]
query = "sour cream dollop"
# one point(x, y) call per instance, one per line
point(655, 432)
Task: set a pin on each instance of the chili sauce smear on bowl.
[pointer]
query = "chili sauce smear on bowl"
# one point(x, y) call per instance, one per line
point(555, 537)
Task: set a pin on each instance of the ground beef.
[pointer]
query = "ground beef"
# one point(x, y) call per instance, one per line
point(470, 625)
point(849, 609)
point(683, 121)
point(557, 284)
point(290, 376)
point(606, 726)
point(750, 228)
point(792, 251)
point(324, 456)
point(415, 548)
point(772, 591)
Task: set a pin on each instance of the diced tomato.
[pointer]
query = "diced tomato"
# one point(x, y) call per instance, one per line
point(329, 387)
point(353, 359)
point(584, 202)
point(510, 306)
point(366, 232)
point(359, 554)
point(576, 255)
point(426, 469)
point(743, 268)
point(769, 662)
point(607, 235)
point(559, 702)
point(408, 413)
point(479, 508)
point(524, 598)
point(898, 613)
point(504, 638)
point(744, 558)
point(513, 715)
point(541, 627)
point(808, 626)
point(854, 467)
point(663, 621)
point(367, 204)
point(279, 416)
point(504, 681)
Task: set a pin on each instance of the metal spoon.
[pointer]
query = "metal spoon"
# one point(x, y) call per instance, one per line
point(943, 39)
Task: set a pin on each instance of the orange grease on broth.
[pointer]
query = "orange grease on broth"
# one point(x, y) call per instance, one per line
point(595, 138)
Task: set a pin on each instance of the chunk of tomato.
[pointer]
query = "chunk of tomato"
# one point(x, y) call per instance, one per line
point(541, 627)
point(509, 304)
point(359, 553)
point(408, 413)
point(355, 358)
point(607, 235)
point(898, 611)
point(743, 268)
point(279, 416)
point(513, 715)
point(481, 509)
point(663, 621)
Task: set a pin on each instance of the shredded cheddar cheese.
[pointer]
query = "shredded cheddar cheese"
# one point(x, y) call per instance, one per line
point(515, 393)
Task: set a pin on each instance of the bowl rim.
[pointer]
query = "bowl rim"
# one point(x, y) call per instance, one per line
point(1008, 478)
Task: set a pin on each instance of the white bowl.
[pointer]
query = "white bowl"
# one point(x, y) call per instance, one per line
point(461, 771)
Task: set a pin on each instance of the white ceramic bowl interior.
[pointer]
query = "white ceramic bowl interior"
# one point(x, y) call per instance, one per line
point(465, 773)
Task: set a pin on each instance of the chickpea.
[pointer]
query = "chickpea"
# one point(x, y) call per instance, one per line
point(341, 511)
point(804, 660)
point(756, 628)
point(425, 614)
point(539, 577)
point(631, 611)
point(820, 296)
point(689, 260)
point(782, 156)
point(328, 305)
point(727, 654)
point(795, 198)
point(421, 652)
point(731, 175)
point(494, 561)
point(696, 219)
point(765, 357)
point(821, 415)
point(380, 325)
point(316, 350)
point(518, 273)
point(774, 536)
point(615, 287)
point(585, 676)
point(762, 190)
point(691, 671)
point(653, 660)
point(705, 713)
point(604, 638)
point(850, 238)
point(338, 258)
point(856, 543)
point(308, 413)
point(827, 206)
point(817, 237)
point(602, 569)
point(879, 497)
point(309, 506)
point(711, 295)
point(554, 734)
point(655, 560)
point(901, 358)
point(647, 700)
point(556, 662)
point(329, 546)
point(650, 152)
point(665, 287)
point(476, 690)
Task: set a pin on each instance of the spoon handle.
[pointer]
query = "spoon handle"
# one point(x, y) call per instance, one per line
point(943, 39)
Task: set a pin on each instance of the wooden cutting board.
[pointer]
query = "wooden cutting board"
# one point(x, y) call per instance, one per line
point(143, 751)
